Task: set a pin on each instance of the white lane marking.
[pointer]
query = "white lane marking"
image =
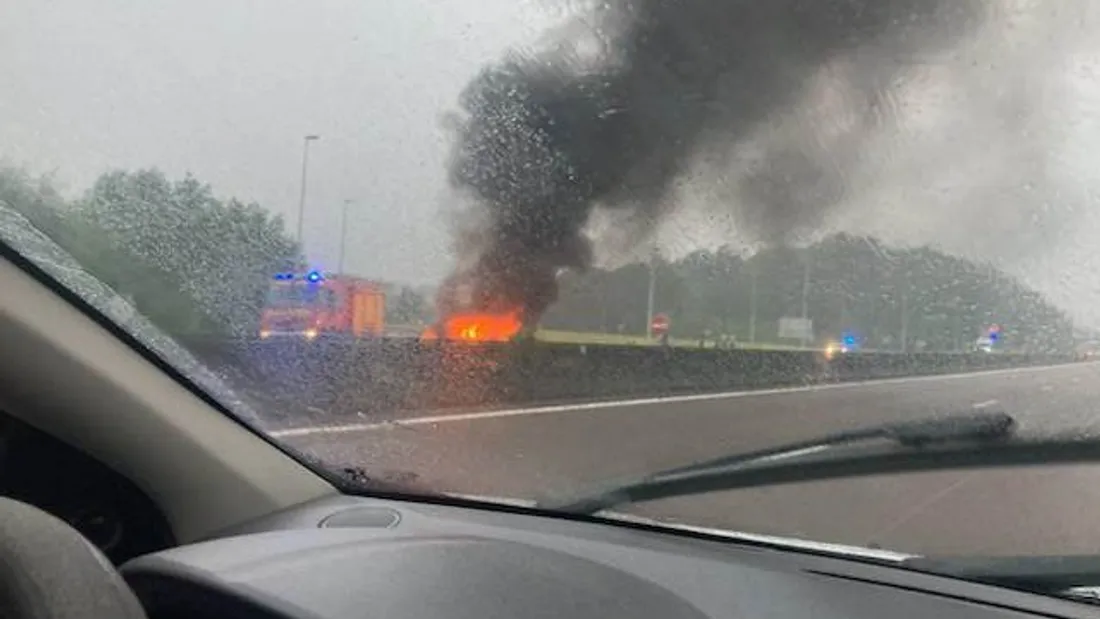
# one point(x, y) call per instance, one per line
point(986, 404)
point(701, 397)
point(483, 498)
point(797, 453)
point(790, 542)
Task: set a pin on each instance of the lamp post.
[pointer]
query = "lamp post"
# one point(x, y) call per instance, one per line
point(651, 292)
point(752, 304)
point(302, 196)
point(806, 295)
point(343, 236)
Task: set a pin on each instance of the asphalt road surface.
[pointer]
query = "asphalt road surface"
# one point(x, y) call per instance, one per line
point(558, 451)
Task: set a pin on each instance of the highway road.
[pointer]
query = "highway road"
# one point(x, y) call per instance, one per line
point(556, 451)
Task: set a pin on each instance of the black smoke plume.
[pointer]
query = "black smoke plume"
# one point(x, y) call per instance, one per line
point(544, 138)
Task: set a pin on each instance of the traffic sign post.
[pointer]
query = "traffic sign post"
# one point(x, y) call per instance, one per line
point(660, 324)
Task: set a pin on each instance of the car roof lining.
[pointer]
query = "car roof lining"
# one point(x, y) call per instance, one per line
point(72, 378)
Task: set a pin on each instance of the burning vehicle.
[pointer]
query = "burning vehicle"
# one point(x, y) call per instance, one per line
point(464, 320)
point(476, 327)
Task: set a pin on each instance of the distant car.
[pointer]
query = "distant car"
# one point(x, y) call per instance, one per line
point(1088, 353)
point(833, 348)
point(983, 344)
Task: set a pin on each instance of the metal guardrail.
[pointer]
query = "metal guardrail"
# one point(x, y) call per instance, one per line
point(386, 376)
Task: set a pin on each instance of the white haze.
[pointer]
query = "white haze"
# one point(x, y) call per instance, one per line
point(986, 150)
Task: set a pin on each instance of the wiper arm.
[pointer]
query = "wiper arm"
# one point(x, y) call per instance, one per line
point(729, 472)
point(1038, 574)
point(972, 427)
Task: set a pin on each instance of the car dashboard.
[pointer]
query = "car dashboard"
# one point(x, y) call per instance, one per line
point(349, 557)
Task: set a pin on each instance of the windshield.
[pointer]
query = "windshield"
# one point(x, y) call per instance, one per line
point(301, 296)
point(550, 247)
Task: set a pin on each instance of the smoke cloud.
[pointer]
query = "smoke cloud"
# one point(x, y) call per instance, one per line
point(544, 138)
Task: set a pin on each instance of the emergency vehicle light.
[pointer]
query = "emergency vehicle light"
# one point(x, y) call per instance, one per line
point(312, 277)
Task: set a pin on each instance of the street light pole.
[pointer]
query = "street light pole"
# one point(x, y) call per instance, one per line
point(302, 196)
point(805, 294)
point(343, 236)
point(752, 305)
point(905, 317)
point(652, 293)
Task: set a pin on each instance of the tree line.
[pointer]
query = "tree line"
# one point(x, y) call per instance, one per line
point(889, 298)
point(199, 265)
point(194, 264)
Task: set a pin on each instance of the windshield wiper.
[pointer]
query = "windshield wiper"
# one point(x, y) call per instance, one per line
point(1050, 575)
point(801, 460)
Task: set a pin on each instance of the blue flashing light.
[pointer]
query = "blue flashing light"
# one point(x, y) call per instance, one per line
point(849, 339)
point(994, 336)
point(312, 277)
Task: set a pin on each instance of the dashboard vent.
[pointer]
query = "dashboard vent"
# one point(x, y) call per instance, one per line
point(363, 518)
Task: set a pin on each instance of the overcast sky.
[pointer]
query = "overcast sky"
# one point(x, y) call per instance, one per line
point(226, 89)
point(989, 152)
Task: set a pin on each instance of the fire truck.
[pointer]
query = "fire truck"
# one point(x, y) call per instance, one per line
point(313, 304)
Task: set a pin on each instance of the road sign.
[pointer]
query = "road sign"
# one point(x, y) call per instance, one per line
point(796, 328)
point(660, 323)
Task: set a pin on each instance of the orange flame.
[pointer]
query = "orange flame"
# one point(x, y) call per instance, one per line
point(477, 327)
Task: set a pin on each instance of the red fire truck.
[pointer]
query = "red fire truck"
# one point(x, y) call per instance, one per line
point(311, 304)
